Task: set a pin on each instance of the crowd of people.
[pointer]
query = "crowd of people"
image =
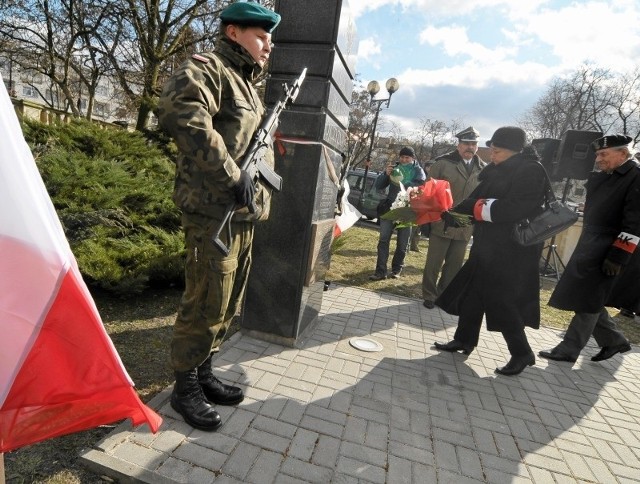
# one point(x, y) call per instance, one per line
point(499, 280)
point(211, 109)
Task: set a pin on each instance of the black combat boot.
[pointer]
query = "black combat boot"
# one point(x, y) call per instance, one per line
point(188, 400)
point(216, 391)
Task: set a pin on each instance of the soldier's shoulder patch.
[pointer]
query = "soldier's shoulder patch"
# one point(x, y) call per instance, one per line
point(200, 58)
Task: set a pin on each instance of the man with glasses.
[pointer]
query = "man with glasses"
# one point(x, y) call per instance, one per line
point(447, 246)
point(610, 235)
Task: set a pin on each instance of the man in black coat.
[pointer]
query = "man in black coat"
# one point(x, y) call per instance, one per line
point(609, 238)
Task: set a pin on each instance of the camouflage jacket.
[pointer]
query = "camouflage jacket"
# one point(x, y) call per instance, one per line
point(211, 110)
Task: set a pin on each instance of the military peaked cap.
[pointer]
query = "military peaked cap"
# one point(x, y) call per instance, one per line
point(469, 134)
point(250, 14)
point(611, 141)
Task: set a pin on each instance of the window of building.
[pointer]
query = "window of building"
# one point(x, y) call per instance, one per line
point(100, 109)
point(29, 91)
point(52, 97)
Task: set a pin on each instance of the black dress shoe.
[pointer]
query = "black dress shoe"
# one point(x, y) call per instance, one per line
point(453, 346)
point(517, 364)
point(608, 351)
point(377, 277)
point(428, 304)
point(556, 355)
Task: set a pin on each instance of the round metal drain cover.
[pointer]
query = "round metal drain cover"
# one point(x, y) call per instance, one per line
point(365, 344)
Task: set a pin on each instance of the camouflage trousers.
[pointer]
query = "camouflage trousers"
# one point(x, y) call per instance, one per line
point(214, 289)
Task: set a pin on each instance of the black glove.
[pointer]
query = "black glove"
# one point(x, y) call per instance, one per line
point(244, 190)
point(465, 206)
point(449, 220)
point(611, 268)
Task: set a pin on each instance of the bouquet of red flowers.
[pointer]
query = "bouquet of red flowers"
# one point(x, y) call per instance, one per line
point(420, 205)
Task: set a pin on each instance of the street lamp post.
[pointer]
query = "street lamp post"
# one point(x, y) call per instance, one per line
point(373, 88)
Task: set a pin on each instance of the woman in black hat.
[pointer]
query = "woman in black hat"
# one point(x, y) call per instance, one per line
point(500, 278)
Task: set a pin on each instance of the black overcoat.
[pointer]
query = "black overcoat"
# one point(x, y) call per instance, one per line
point(503, 273)
point(612, 207)
point(626, 289)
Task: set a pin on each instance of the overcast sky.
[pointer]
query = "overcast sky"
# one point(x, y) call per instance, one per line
point(485, 62)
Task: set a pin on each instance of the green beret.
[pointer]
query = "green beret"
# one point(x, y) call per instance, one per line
point(250, 14)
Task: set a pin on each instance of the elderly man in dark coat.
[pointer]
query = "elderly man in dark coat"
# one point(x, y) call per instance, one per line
point(609, 238)
point(500, 278)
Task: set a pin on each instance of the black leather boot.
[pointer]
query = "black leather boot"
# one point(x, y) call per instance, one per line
point(188, 400)
point(216, 391)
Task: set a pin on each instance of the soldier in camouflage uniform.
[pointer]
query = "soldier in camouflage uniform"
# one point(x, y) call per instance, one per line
point(211, 109)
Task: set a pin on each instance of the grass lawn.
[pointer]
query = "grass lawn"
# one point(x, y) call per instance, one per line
point(140, 328)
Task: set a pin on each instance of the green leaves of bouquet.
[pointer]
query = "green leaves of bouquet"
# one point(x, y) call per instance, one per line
point(401, 212)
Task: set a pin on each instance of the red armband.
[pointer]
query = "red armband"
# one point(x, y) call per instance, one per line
point(482, 209)
point(626, 242)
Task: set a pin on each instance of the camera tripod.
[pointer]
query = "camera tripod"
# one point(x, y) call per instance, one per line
point(553, 265)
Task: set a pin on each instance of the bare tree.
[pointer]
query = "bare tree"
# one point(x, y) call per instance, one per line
point(579, 102)
point(625, 103)
point(148, 38)
point(54, 38)
point(434, 137)
point(361, 115)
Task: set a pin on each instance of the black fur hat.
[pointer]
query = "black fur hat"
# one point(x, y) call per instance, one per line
point(508, 137)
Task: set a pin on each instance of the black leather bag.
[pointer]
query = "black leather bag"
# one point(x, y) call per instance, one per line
point(555, 218)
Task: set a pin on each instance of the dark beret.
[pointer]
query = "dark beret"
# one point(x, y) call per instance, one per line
point(250, 14)
point(611, 141)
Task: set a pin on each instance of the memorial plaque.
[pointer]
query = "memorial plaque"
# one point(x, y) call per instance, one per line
point(292, 250)
point(320, 253)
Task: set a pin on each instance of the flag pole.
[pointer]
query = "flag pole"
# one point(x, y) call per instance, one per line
point(2, 481)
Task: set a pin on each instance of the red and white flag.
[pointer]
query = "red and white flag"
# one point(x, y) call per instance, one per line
point(59, 370)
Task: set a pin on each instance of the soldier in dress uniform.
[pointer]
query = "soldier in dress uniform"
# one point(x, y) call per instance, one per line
point(610, 235)
point(447, 248)
point(211, 109)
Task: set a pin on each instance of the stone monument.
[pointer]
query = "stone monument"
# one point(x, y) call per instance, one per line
point(291, 252)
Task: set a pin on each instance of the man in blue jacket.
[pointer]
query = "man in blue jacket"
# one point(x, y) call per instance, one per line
point(412, 176)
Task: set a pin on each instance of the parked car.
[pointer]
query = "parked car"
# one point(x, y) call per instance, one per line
point(372, 197)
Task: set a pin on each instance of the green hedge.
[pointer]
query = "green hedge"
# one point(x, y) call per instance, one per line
point(112, 191)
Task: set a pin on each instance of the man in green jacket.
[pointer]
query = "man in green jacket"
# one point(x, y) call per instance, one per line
point(460, 168)
point(211, 109)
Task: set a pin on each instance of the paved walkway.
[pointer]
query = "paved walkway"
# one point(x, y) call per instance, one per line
point(329, 413)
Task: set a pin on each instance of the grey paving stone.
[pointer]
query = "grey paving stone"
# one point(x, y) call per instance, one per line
point(361, 470)
point(200, 456)
point(214, 440)
point(306, 471)
point(266, 468)
point(141, 456)
point(273, 426)
point(362, 453)
point(266, 440)
point(303, 444)
point(241, 461)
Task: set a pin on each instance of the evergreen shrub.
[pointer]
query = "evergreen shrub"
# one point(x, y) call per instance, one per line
point(112, 191)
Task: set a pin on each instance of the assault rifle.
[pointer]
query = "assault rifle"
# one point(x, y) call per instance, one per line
point(253, 161)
